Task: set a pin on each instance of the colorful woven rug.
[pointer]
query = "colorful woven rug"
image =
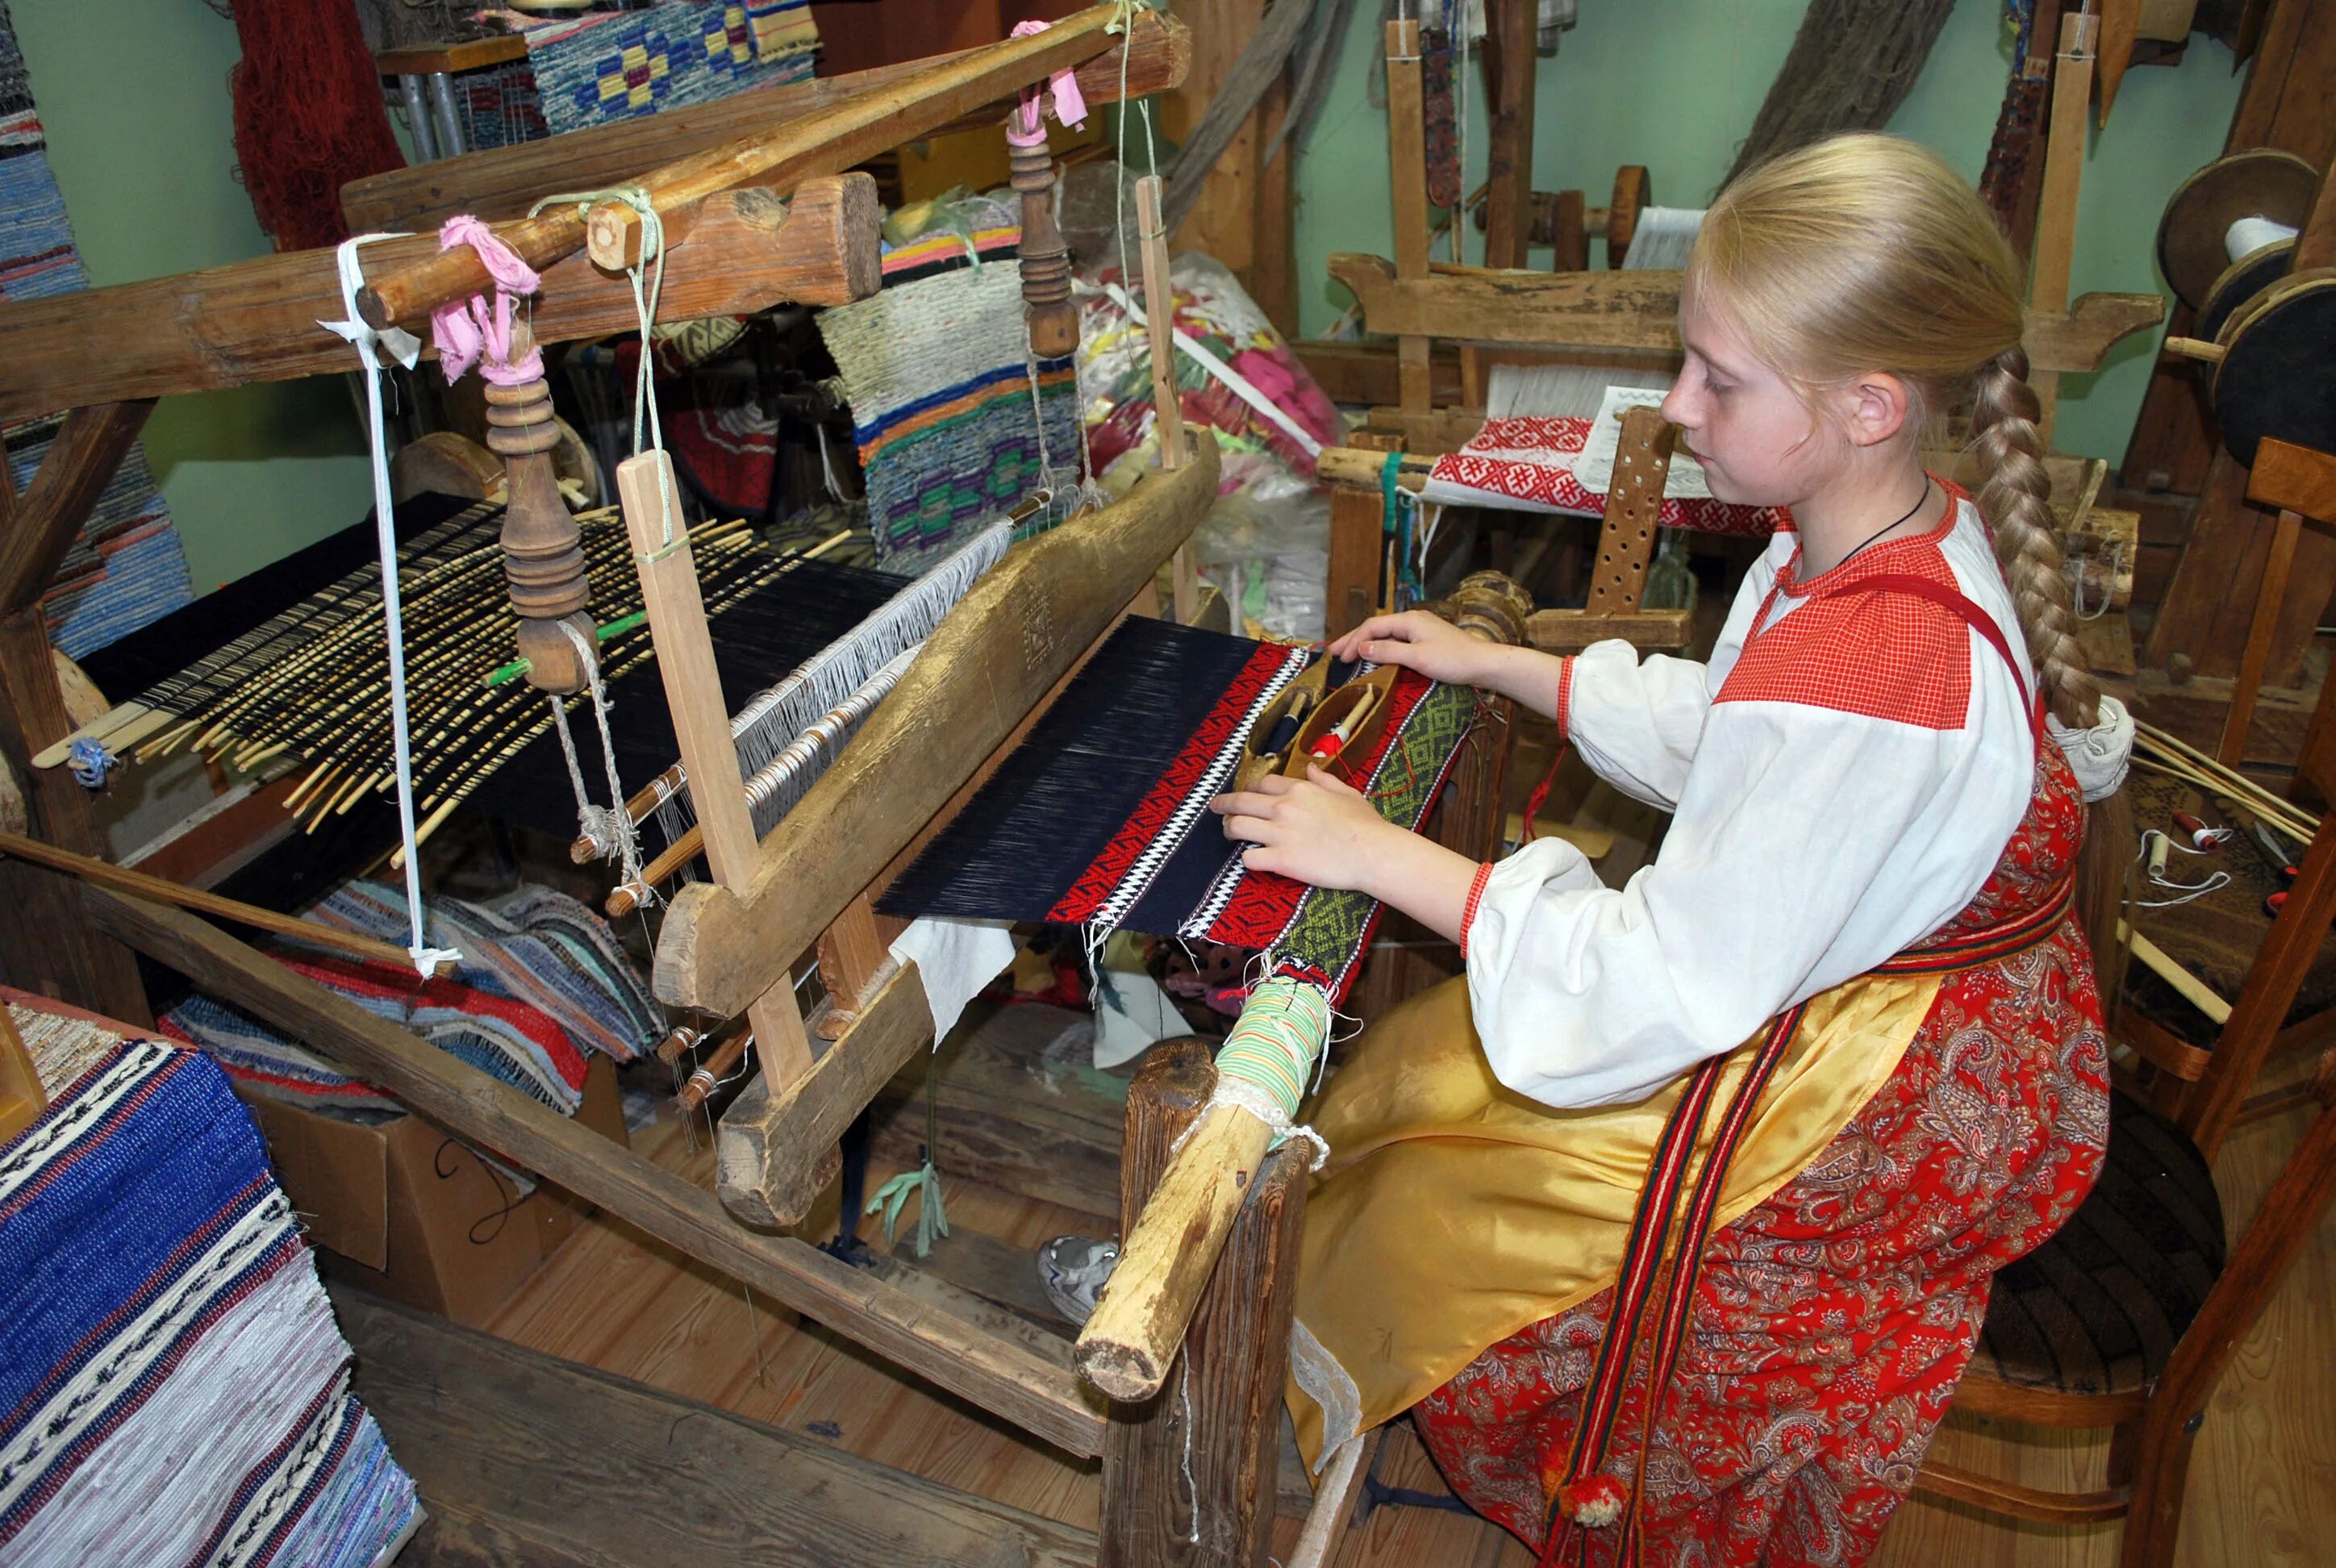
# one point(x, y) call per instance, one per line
point(128, 567)
point(543, 981)
point(937, 368)
point(174, 1390)
point(619, 65)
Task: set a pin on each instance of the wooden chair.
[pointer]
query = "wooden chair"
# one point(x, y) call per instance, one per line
point(2126, 1317)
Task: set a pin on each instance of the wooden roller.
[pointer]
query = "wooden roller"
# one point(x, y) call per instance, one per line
point(2194, 234)
point(2277, 373)
point(1560, 219)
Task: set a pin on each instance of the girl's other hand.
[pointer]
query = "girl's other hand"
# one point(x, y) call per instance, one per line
point(1316, 829)
point(1417, 641)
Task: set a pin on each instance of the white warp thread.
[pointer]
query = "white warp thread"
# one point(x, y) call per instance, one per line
point(407, 350)
point(609, 828)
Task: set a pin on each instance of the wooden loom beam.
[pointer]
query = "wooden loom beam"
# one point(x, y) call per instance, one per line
point(258, 320)
point(79, 465)
point(1640, 310)
point(1000, 649)
point(826, 142)
point(503, 182)
point(701, 722)
point(993, 1373)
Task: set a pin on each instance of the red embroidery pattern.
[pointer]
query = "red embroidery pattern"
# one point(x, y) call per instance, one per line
point(1080, 901)
point(1889, 656)
point(1475, 897)
point(1831, 1323)
point(1531, 459)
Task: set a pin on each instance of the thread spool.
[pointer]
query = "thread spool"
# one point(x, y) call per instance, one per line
point(2246, 236)
point(2225, 217)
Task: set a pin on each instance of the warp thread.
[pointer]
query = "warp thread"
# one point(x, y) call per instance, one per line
point(1269, 1056)
point(610, 829)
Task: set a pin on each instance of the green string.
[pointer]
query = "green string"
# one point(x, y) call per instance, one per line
point(1278, 1039)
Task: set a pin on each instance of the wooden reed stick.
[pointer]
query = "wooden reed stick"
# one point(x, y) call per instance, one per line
point(2192, 990)
point(1159, 321)
point(122, 879)
point(716, 1065)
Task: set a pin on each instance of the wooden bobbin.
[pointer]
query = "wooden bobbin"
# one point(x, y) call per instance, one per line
point(1053, 318)
point(2277, 376)
point(1561, 221)
point(543, 551)
point(2193, 234)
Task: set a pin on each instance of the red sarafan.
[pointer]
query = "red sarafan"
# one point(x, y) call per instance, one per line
point(1838, 1315)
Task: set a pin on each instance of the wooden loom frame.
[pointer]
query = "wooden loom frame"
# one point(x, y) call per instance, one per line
point(1613, 316)
point(255, 322)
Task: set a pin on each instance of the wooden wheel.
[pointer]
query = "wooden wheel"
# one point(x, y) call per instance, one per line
point(2278, 374)
point(2258, 183)
point(2241, 281)
point(1634, 193)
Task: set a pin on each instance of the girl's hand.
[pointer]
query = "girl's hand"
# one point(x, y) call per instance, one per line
point(1314, 829)
point(1417, 641)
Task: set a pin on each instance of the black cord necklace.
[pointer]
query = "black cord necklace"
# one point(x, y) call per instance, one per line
point(1886, 527)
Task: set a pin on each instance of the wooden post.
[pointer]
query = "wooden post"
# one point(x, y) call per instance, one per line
point(1218, 1417)
point(2268, 599)
point(1509, 59)
point(543, 550)
point(2064, 168)
point(49, 947)
point(1407, 163)
point(1167, 404)
point(693, 688)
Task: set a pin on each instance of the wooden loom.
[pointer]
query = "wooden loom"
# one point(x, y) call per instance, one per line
point(1612, 317)
point(731, 944)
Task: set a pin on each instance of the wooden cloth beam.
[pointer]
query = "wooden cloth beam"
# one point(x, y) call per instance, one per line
point(503, 182)
point(999, 1376)
point(260, 320)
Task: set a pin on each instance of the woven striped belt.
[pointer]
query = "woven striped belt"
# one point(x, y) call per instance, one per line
point(1585, 1497)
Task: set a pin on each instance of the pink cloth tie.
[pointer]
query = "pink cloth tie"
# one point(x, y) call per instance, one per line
point(1027, 125)
point(470, 332)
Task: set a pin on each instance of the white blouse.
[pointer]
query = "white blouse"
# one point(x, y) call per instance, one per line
point(1840, 790)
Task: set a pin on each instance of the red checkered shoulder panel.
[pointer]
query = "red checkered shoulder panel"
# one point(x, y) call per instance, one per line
point(1881, 655)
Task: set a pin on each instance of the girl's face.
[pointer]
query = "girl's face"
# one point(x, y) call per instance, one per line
point(1759, 444)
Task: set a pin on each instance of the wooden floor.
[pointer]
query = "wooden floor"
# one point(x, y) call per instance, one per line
point(2263, 1489)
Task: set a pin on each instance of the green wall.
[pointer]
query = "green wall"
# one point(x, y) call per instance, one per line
point(142, 136)
point(1674, 84)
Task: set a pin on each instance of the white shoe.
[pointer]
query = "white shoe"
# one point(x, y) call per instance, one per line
point(1073, 1271)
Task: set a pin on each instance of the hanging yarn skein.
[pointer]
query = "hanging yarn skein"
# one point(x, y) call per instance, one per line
point(308, 116)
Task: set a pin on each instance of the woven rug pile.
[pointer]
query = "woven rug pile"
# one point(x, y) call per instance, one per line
point(127, 567)
point(174, 1389)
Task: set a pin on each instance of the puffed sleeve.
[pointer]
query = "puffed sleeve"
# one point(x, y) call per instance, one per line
point(1636, 722)
point(1809, 844)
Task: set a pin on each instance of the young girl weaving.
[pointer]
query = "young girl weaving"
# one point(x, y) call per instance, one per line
point(1674, 1221)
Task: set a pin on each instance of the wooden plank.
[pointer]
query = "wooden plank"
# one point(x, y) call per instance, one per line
point(258, 320)
point(981, 673)
point(1408, 166)
point(1222, 219)
point(79, 465)
point(470, 54)
point(505, 181)
point(1571, 631)
point(1366, 372)
point(1635, 505)
point(1000, 1378)
point(1273, 257)
point(2295, 478)
point(2209, 604)
point(1509, 61)
point(692, 691)
point(560, 1455)
point(827, 142)
point(1011, 1116)
point(1640, 310)
point(777, 1143)
point(2284, 537)
point(2056, 222)
point(1200, 1458)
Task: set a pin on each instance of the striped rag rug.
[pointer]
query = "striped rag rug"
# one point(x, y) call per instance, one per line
point(543, 981)
point(127, 567)
point(937, 367)
point(173, 1388)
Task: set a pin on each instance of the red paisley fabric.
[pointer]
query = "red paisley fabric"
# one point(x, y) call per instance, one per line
point(1831, 1322)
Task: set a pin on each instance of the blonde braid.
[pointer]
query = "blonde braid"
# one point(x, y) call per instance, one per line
point(2014, 498)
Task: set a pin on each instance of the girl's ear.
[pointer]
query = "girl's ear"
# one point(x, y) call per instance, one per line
point(1877, 405)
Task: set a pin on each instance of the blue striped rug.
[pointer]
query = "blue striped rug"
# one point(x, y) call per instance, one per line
point(128, 567)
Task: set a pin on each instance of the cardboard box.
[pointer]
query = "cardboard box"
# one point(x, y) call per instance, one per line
point(408, 1212)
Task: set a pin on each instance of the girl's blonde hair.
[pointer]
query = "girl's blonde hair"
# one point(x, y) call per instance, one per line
point(1863, 253)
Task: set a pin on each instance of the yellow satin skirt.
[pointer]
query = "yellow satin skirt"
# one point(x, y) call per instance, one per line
point(1455, 1212)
